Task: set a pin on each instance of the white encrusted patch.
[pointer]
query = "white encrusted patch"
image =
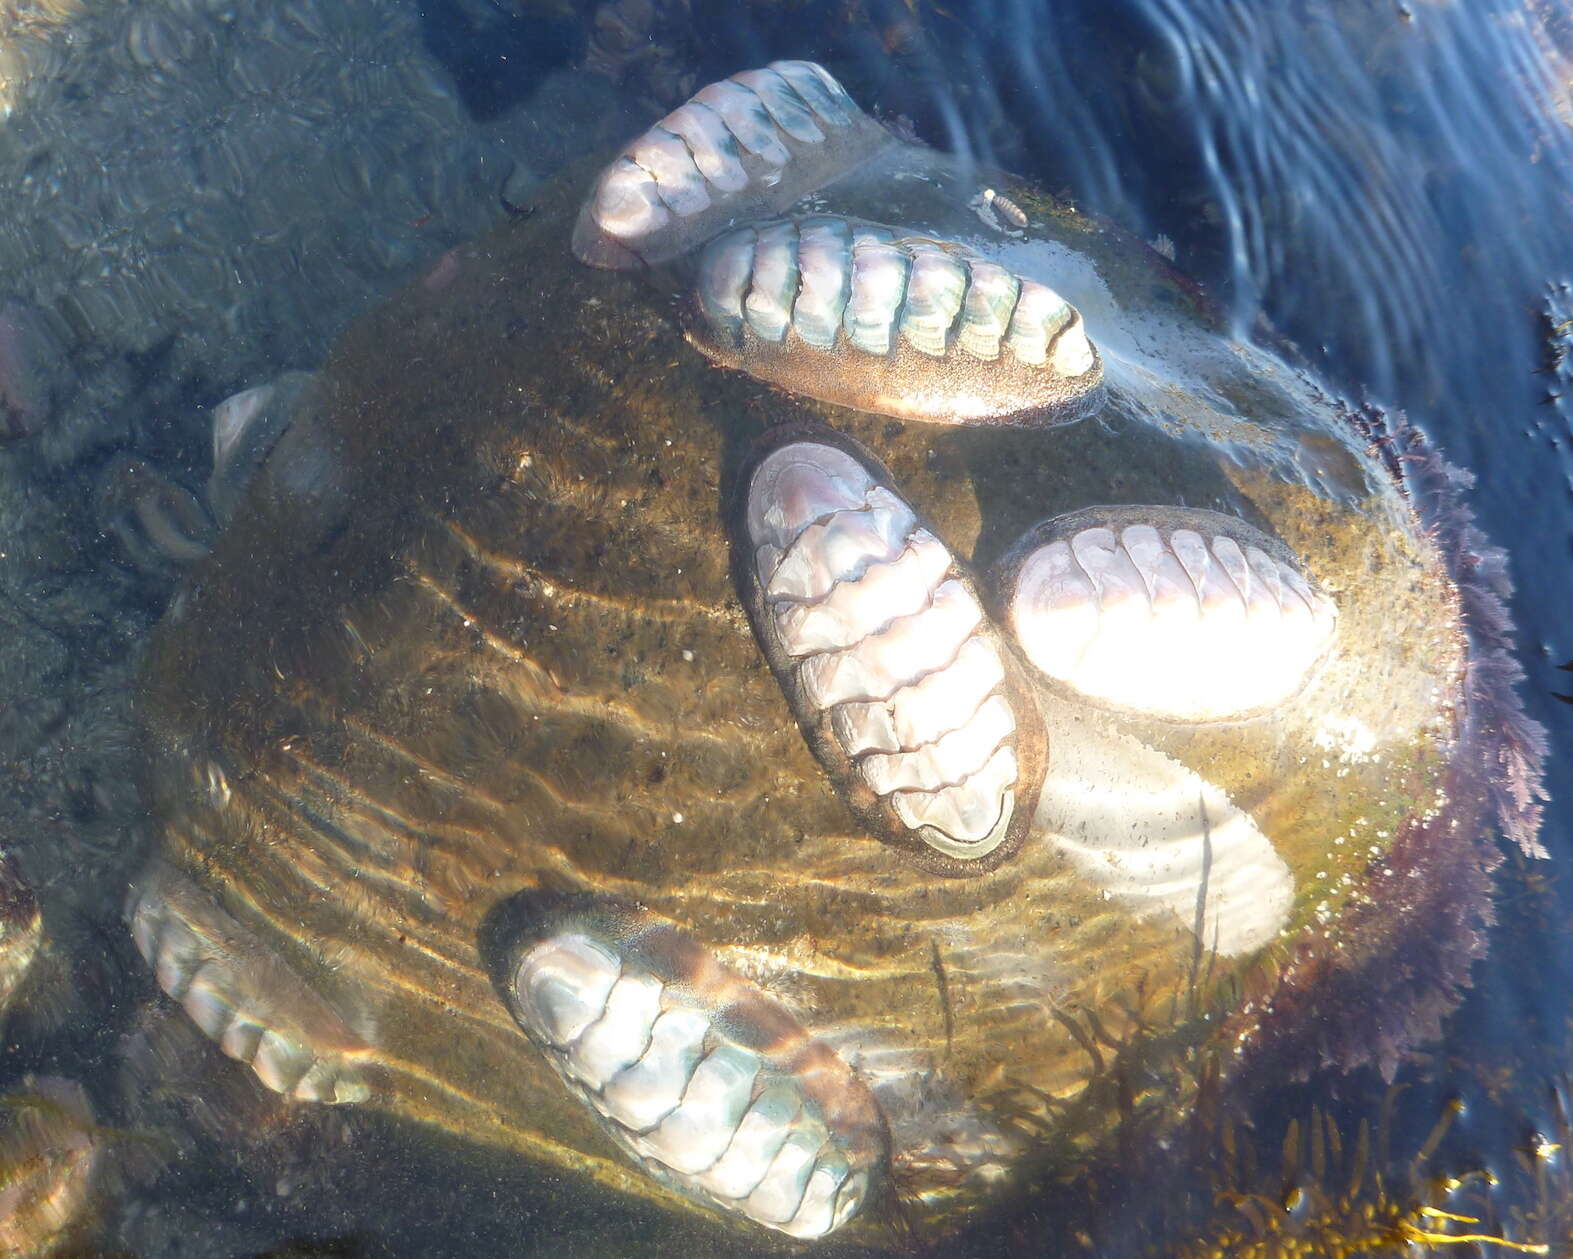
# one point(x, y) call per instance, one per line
point(1161, 839)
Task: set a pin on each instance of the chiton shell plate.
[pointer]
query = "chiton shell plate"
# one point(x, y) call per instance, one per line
point(869, 317)
point(712, 1085)
point(744, 148)
point(253, 1006)
point(913, 702)
point(1177, 613)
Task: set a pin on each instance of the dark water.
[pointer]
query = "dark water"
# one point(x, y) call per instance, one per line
point(1390, 188)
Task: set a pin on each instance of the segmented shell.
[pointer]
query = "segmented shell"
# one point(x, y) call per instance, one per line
point(746, 147)
point(862, 315)
point(1178, 613)
point(910, 698)
point(702, 1077)
point(1158, 838)
point(254, 1007)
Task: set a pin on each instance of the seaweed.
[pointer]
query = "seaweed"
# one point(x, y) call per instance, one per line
point(1370, 1005)
point(1335, 1195)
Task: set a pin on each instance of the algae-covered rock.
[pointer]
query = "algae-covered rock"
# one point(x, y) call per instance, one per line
point(477, 744)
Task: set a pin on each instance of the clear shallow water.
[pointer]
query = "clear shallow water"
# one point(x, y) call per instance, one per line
point(1391, 190)
point(1389, 186)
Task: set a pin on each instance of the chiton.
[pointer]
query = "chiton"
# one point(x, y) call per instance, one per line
point(246, 427)
point(911, 699)
point(744, 148)
point(711, 1084)
point(1178, 613)
point(255, 1008)
point(859, 314)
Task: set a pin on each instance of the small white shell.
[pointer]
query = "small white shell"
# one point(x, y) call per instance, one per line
point(1174, 619)
point(246, 427)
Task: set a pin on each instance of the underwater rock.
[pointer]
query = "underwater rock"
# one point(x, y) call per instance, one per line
point(493, 629)
point(518, 188)
point(259, 175)
point(645, 46)
point(161, 43)
point(32, 363)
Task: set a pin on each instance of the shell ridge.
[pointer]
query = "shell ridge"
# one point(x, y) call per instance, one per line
point(1181, 614)
point(822, 524)
point(858, 572)
point(1152, 574)
point(783, 103)
point(905, 749)
point(963, 776)
point(885, 625)
point(913, 680)
point(999, 811)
